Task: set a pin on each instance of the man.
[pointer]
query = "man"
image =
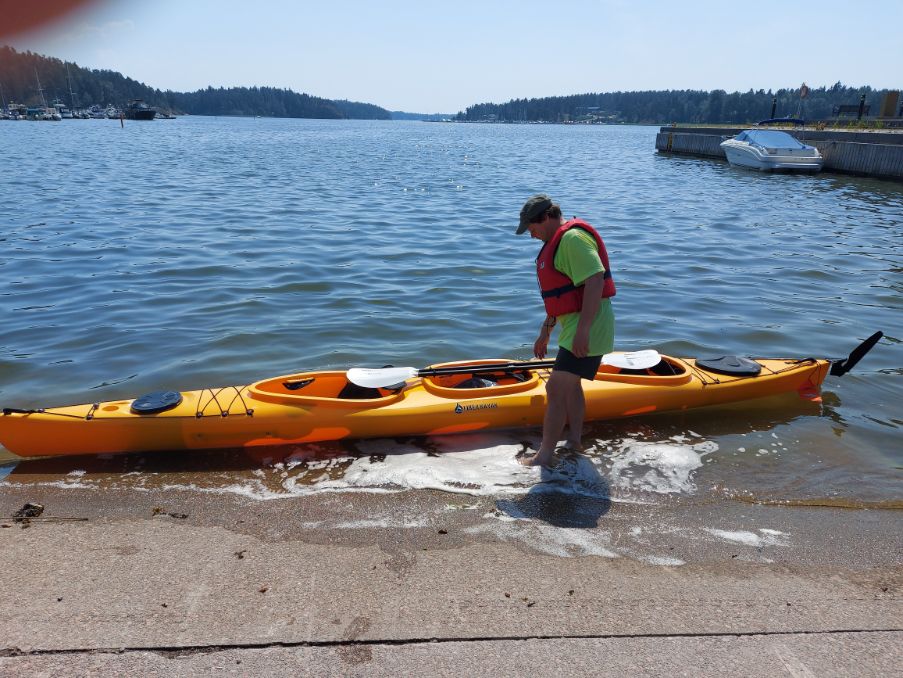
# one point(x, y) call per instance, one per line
point(576, 285)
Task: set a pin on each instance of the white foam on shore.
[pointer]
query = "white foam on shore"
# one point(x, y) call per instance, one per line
point(472, 465)
point(766, 537)
point(664, 561)
point(564, 542)
point(489, 471)
point(664, 468)
point(381, 523)
point(66, 484)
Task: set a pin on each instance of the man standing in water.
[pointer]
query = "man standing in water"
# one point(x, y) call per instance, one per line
point(576, 285)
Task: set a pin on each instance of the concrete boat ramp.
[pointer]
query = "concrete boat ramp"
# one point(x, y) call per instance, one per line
point(422, 582)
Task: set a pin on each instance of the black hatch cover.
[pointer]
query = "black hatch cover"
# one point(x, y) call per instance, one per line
point(731, 364)
point(158, 401)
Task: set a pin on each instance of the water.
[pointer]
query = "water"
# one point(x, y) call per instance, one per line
point(203, 252)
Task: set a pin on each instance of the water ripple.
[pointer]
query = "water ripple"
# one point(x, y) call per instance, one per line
point(215, 251)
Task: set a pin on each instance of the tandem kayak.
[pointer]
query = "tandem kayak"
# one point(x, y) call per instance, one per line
point(450, 398)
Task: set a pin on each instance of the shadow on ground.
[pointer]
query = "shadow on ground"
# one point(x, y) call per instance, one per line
point(572, 494)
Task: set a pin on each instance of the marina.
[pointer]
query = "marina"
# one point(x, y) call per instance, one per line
point(57, 111)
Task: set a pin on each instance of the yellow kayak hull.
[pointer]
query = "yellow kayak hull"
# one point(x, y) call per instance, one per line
point(306, 407)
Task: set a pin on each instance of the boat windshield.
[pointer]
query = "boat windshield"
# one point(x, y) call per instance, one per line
point(769, 138)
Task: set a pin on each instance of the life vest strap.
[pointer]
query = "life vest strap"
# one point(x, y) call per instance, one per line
point(558, 291)
point(564, 289)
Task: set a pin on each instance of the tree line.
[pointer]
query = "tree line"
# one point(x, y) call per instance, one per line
point(21, 71)
point(683, 106)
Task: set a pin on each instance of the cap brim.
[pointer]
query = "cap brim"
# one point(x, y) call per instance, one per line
point(521, 229)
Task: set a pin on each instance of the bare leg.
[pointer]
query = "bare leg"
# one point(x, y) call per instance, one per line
point(576, 413)
point(560, 390)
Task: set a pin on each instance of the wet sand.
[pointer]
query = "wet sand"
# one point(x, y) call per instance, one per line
point(176, 583)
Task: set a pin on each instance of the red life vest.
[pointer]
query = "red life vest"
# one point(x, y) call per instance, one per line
point(559, 294)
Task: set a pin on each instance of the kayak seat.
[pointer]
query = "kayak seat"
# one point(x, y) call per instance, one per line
point(297, 384)
point(490, 380)
point(730, 364)
point(476, 382)
point(354, 392)
point(662, 369)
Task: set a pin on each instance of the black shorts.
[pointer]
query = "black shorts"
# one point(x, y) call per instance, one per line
point(585, 368)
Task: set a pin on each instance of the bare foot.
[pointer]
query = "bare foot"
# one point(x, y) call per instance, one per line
point(574, 446)
point(534, 460)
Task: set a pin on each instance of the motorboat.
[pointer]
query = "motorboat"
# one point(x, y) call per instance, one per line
point(770, 150)
point(42, 113)
point(62, 109)
point(138, 110)
point(16, 111)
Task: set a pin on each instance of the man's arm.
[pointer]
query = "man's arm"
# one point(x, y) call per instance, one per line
point(592, 297)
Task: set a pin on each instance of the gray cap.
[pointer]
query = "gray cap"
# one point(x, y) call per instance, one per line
point(534, 208)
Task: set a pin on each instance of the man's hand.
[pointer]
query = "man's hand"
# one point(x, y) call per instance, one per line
point(580, 347)
point(541, 345)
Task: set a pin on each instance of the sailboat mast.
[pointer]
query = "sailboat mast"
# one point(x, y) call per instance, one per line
point(40, 89)
point(71, 95)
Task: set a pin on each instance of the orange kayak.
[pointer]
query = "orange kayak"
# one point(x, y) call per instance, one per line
point(319, 406)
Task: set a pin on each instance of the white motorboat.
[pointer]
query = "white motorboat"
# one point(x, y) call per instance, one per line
point(769, 150)
point(62, 109)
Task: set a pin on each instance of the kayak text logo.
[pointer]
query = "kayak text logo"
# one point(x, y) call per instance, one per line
point(460, 409)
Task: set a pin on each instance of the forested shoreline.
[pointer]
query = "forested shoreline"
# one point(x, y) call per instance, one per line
point(21, 71)
point(682, 106)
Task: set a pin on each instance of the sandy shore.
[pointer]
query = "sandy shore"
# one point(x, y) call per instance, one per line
point(181, 583)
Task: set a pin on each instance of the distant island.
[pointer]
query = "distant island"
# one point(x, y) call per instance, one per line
point(20, 72)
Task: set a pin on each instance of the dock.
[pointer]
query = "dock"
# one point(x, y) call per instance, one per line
point(867, 153)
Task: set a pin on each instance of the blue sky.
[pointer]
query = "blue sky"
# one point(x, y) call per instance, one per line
point(423, 56)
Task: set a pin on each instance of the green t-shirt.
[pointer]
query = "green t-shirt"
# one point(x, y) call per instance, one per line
point(577, 257)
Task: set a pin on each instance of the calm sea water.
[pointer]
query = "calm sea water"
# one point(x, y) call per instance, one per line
point(202, 251)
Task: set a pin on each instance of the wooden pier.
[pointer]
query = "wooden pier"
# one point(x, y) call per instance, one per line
point(864, 153)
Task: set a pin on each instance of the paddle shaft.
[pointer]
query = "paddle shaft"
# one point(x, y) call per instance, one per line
point(486, 369)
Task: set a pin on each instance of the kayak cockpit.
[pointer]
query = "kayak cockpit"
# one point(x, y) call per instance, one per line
point(668, 372)
point(322, 388)
point(483, 383)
